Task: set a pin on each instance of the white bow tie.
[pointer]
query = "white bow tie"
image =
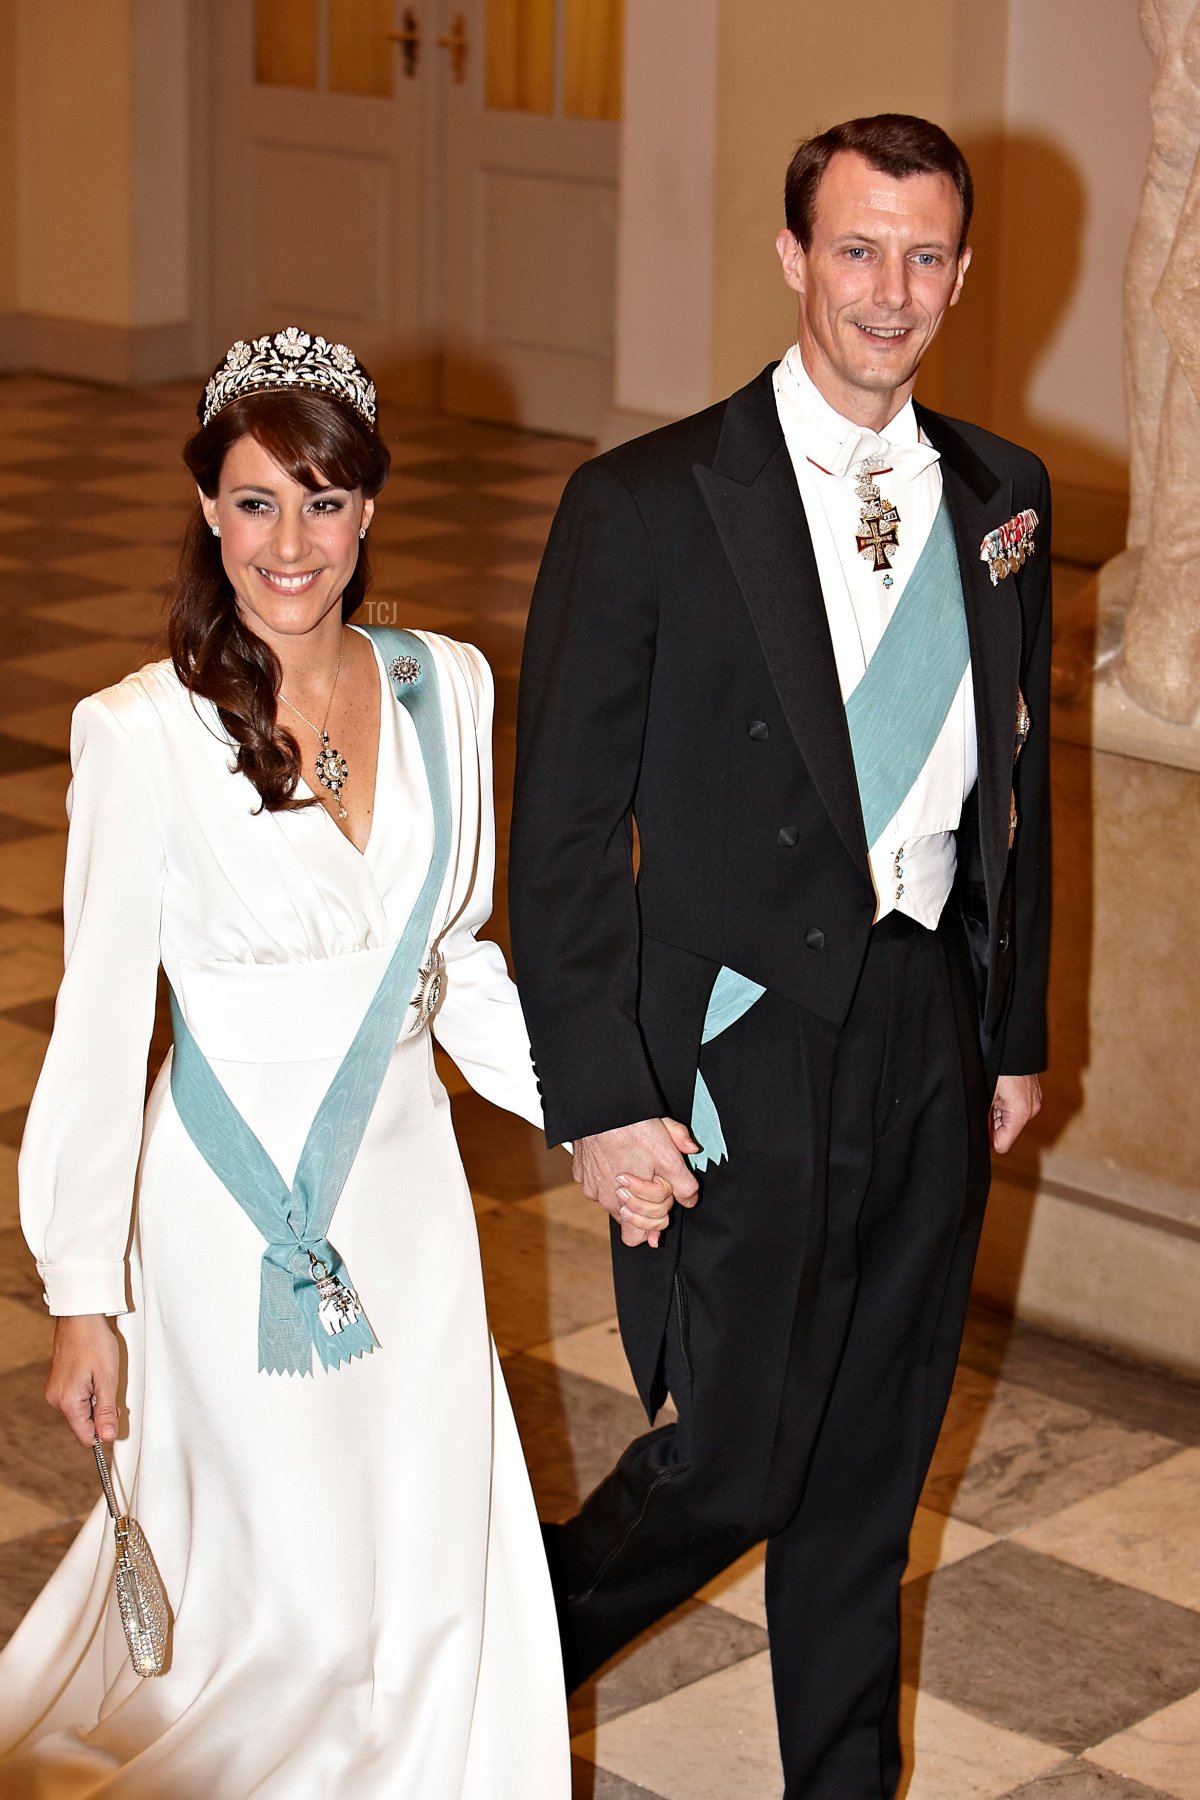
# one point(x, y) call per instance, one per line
point(859, 446)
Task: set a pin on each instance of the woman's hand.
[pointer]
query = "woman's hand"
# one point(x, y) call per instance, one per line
point(637, 1173)
point(82, 1383)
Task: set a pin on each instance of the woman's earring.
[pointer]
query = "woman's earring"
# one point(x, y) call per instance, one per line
point(362, 532)
point(216, 531)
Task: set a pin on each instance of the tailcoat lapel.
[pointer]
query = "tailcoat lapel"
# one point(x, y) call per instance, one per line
point(979, 501)
point(752, 497)
point(751, 494)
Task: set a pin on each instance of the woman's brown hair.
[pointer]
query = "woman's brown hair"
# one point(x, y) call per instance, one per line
point(318, 441)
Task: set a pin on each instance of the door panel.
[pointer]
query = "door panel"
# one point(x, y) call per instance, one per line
point(361, 57)
point(518, 53)
point(532, 225)
point(352, 196)
point(528, 222)
point(592, 59)
point(441, 206)
point(319, 214)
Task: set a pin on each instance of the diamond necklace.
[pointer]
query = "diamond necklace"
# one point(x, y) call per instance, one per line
point(333, 771)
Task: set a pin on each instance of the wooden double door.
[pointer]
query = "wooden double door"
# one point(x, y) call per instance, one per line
point(430, 181)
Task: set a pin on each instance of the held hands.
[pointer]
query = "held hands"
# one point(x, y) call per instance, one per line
point(1018, 1098)
point(636, 1173)
point(82, 1383)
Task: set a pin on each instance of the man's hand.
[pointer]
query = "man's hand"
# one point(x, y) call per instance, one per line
point(82, 1383)
point(1018, 1098)
point(636, 1173)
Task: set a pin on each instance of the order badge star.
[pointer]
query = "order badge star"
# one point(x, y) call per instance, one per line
point(1006, 548)
point(430, 979)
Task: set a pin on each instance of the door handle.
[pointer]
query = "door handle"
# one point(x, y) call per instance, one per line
point(409, 40)
point(456, 43)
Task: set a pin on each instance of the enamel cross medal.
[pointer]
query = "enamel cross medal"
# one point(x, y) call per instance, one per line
point(877, 536)
point(337, 1304)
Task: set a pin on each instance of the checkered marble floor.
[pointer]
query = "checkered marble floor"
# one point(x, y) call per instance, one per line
point(1053, 1600)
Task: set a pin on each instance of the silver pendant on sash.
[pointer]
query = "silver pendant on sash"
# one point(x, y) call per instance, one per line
point(337, 1304)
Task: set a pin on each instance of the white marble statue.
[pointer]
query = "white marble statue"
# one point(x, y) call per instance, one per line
point(1154, 585)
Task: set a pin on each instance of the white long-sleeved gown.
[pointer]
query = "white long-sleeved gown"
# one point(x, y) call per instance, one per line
point(353, 1560)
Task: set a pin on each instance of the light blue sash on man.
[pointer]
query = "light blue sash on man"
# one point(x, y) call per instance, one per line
point(895, 716)
point(295, 1220)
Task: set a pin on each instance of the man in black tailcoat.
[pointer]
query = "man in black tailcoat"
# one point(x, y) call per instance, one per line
point(799, 639)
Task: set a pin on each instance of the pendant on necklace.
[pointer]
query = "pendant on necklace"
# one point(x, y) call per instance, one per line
point(333, 772)
point(878, 536)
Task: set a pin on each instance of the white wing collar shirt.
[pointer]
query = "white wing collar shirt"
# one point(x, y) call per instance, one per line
point(913, 862)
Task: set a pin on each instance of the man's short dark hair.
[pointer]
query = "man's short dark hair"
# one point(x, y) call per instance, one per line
point(894, 143)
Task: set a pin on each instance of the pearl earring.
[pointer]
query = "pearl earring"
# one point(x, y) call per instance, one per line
point(216, 531)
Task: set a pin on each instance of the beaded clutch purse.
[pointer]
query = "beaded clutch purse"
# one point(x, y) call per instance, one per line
point(141, 1598)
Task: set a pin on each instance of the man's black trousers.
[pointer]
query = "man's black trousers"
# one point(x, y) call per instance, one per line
point(818, 1309)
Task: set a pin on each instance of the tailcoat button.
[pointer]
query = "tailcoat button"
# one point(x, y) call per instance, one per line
point(758, 729)
point(788, 835)
point(1003, 940)
point(814, 937)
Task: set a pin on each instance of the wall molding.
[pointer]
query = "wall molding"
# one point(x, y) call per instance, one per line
point(1105, 1254)
point(1127, 1193)
point(117, 355)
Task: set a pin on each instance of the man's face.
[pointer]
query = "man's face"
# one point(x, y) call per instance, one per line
point(875, 282)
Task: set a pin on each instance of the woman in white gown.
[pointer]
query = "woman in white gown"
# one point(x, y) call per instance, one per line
point(350, 1550)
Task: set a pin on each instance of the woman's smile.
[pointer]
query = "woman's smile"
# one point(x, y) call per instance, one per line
point(289, 584)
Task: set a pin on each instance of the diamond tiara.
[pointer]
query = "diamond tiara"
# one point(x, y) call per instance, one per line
point(290, 359)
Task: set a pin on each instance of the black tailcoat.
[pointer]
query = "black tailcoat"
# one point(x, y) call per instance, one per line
point(679, 673)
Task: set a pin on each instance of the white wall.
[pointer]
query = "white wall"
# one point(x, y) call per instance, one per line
point(102, 161)
point(1049, 99)
point(665, 219)
point(1077, 122)
point(790, 68)
point(717, 92)
point(73, 160)
point(161, 279)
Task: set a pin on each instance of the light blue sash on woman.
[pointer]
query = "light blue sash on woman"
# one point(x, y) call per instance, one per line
point(295, 1220)
point(895, 715)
